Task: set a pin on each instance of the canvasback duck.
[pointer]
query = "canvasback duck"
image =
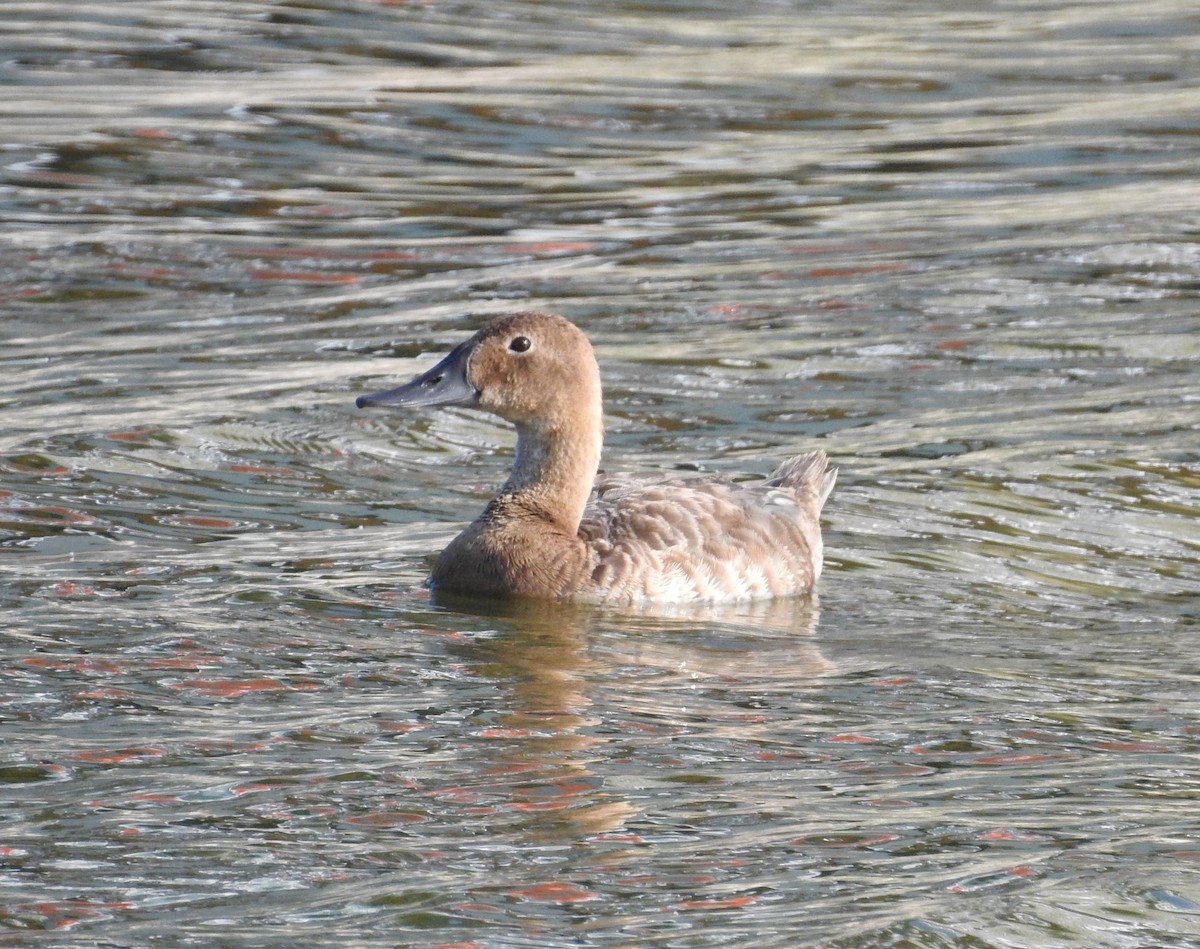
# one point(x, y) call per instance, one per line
point(556, 531)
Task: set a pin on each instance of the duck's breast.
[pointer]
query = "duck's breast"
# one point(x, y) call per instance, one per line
point(507, 552)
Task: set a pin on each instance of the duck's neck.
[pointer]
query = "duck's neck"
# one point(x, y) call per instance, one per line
point(554, 471)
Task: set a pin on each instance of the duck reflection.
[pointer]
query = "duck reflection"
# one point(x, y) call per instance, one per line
point(559, 663)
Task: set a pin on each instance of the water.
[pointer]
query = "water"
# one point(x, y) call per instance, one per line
point(958, 249)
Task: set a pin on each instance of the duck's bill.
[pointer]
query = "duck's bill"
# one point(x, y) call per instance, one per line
point(444, 384)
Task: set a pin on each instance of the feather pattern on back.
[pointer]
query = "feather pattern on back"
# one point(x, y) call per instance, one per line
point(680, 539)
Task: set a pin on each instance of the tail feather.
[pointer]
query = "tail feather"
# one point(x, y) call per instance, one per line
point(808, 471)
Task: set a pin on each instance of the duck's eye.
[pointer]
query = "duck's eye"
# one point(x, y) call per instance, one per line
point(519, 344)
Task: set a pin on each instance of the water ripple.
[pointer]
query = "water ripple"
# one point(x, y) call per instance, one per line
point(954, 248)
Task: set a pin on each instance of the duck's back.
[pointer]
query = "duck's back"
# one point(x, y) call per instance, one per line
point(683, 539)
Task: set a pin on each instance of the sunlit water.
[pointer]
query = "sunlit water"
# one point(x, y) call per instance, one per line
point(956, 248)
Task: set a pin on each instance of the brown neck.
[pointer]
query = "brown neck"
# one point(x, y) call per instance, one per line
point(554, 470)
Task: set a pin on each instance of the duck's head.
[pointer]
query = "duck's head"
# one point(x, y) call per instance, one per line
point(536, 370)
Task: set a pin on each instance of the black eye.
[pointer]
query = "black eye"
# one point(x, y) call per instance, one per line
point(519, 344)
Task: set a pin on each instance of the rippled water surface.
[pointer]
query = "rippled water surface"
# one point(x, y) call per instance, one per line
point(956, 247)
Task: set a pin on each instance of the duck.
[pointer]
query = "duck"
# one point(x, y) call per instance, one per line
point(556, 530)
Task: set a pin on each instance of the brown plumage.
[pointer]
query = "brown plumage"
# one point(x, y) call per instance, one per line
point(556, 531)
